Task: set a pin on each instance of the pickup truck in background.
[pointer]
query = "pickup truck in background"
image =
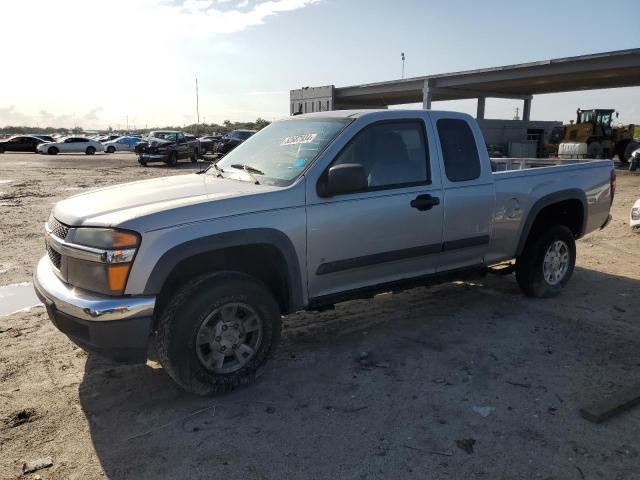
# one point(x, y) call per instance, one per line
point(167, 147)
point(231, 140)
point(312, 210)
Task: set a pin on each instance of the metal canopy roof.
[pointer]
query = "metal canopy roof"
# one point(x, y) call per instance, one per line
point(586, 72)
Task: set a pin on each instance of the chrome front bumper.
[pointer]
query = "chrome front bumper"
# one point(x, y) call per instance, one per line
point(85, 305)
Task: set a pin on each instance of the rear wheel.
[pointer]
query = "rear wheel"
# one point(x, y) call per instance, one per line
point(547, 261)
point(111, 149)
point(173, 159)
point(218, 332)
point(90, 150)
point(595, 149)
point(52, 151)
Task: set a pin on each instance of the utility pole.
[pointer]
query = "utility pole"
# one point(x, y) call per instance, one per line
point(402, 57)
point(197, 109)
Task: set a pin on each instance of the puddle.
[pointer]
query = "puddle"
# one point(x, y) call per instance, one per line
point(19, 296)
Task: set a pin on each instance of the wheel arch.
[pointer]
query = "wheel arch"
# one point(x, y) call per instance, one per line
point(567, 207)
point(263, 253)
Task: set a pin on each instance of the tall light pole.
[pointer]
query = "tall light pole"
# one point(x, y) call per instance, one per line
point(197, 109)
point(402, 57)
point(127, 123)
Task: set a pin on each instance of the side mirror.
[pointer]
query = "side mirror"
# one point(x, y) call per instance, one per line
point(345, 178)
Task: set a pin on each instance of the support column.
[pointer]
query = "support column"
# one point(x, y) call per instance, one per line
point(480, 111)
point(427, 94)
point(526, 111)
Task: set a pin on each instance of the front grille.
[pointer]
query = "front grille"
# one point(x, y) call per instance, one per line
point(57, 228)
point(54, 256)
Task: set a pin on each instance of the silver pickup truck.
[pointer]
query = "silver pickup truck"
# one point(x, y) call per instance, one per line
point(312, 210)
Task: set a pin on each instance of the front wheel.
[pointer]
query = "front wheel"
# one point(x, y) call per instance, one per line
point(218, 332)
point(52, 151)
point(173, 159)
point(111, 149)
point(547, 262)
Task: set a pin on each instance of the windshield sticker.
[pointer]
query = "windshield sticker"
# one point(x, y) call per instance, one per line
point(298, 139)
point(300, 163)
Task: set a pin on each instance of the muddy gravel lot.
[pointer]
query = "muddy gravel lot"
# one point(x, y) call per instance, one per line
point(463, 380)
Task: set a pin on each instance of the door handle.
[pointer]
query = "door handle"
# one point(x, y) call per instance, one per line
point(425, 202)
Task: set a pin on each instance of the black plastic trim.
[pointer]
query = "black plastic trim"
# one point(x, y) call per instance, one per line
point(238, 238)
point(466, 243)
point(377, 258)
point(403, 254)
point(547, 200)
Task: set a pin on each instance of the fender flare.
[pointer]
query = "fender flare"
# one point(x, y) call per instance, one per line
point(550, 199)
point(237, 238)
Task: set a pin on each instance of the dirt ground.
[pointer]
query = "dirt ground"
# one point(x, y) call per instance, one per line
point(463, 380)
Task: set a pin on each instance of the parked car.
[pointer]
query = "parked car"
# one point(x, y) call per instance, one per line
point(121, 144)
point(634, 215)
point(20, 143)
point(167, 147)
point(231, 141)
point(71, 145)
point(208, 142)
point(311, 211)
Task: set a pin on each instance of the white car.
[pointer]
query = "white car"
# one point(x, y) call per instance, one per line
point(121, 144)
point(71, 145)
point(634, 216)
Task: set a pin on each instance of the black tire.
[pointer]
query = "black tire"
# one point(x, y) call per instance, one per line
point(530, 264)
point(595, 149)
point(90, 150)
point(173, 159)
point(2, 149)
point(194, 157)
point(52, 151)
point(631, 147)
point(111, 149)
point(190, 308)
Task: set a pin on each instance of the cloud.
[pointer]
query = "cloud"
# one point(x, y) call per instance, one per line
point(92, 114)
point(207, 17)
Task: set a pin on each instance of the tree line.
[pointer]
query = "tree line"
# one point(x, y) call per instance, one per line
point(202, 129)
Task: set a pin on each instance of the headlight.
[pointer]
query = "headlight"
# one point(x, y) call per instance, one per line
point(105, 259)
point(635, 213)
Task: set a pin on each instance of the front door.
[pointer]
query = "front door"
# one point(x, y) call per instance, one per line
point(390, 231)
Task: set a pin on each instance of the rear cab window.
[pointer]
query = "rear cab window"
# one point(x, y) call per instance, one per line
point(459, 150)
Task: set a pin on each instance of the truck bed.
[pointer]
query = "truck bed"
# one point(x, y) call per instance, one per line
point(508, 164)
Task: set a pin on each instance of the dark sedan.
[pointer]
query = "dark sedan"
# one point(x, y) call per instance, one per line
point(20, 143)
point(231, 141)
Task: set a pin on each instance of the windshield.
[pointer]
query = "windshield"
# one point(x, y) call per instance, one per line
point(277, 154)
point(164, 135)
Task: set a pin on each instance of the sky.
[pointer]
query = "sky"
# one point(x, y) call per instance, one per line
point(93, 63)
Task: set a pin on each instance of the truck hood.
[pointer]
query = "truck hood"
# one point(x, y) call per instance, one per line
point(119, 205)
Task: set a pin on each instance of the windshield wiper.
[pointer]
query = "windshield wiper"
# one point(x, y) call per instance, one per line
point(249, 170)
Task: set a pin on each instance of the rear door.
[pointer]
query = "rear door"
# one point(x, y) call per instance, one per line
point(359, 239)
point(183, 149)
point(468, 190)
